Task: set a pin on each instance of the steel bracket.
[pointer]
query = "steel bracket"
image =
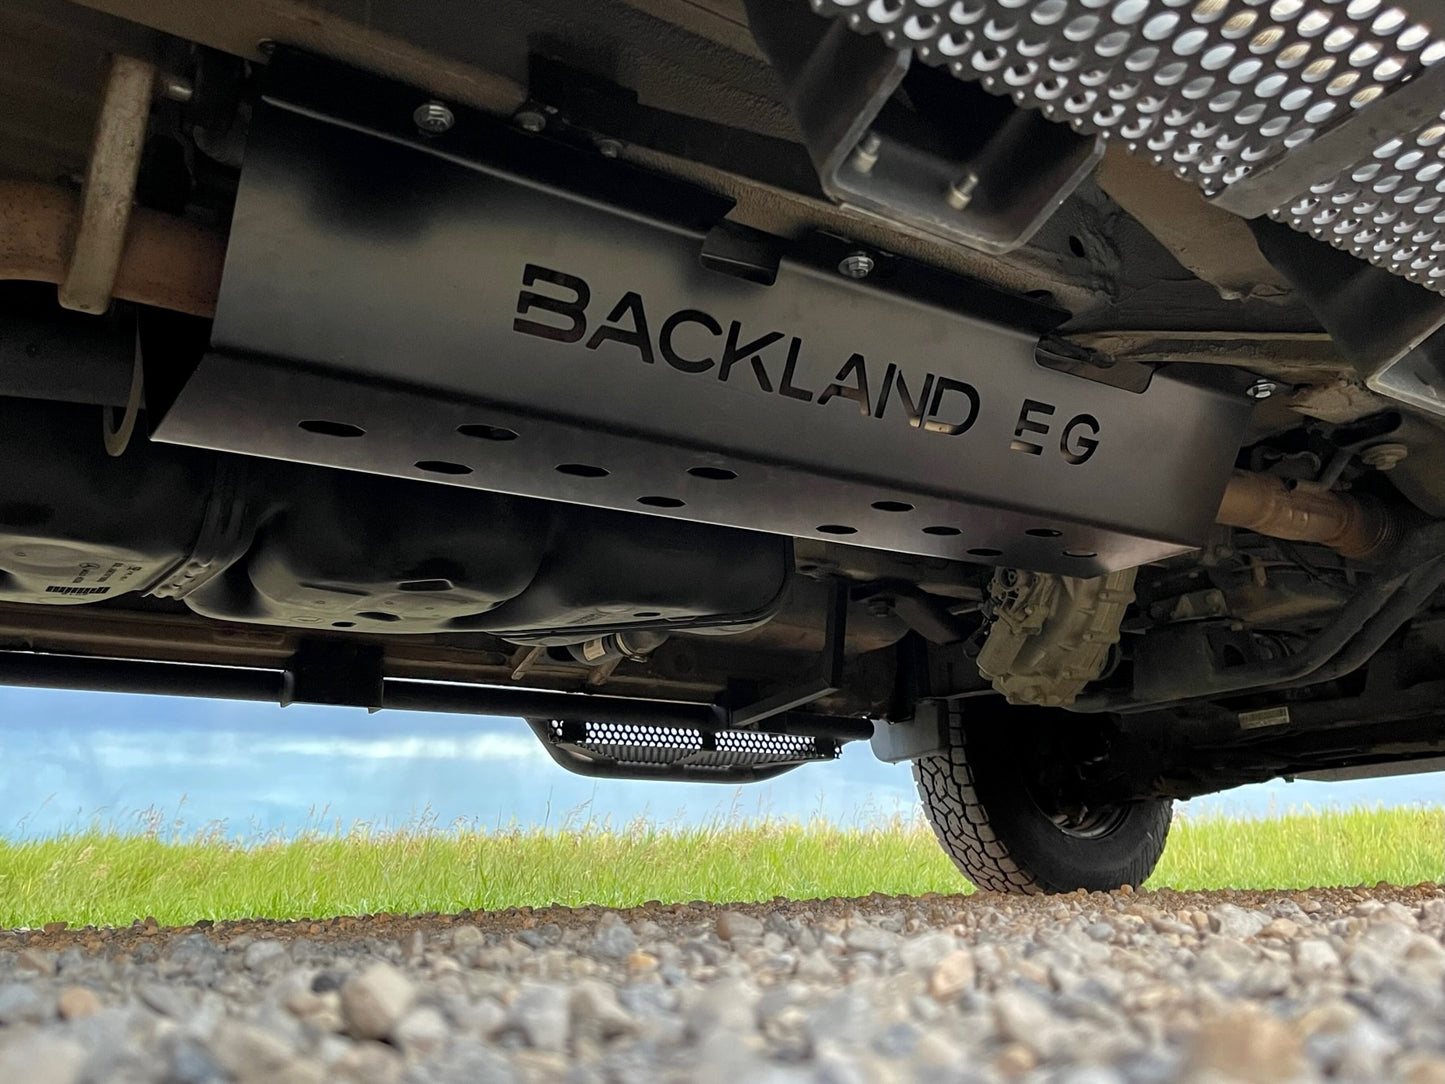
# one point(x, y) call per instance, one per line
point(991, 195)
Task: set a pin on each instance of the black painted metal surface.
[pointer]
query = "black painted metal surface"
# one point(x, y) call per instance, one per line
point(398, 305)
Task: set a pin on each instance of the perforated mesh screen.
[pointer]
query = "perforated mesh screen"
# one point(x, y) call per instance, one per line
point(636, 744)
point(1212, 89)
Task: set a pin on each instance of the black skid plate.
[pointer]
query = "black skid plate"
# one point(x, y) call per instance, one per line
point(486, 308)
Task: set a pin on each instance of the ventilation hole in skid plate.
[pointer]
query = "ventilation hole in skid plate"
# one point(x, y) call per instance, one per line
point(648, 613)
point(441, 466)
point(487, 432)
point(425, 585)
point(377, 615)
point(1076, 246)
point(893, 506)
point(1044, 532)
point(331, 429)
point(984, 551)
point(343, 624)
point(942, 531)
point(1084, 554)
point(835, 528)
point(713, 474)
point(661, 502)
point(582, 470)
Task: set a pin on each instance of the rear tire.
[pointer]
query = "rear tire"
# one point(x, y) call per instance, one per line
point(979, 799)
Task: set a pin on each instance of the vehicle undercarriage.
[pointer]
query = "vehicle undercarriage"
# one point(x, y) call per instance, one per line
point(1046, 394)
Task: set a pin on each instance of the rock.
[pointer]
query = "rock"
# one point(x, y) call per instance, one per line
point(541, 1012)
point(1314, 958)
point(1420, 1069)
point(1246, 1046)
point(372, 1063)
point(21, 1003)
point(373, 1002)
point(613, 940)
point(1230, 921)
point(247, 1051)
point(422, 1031)
point(736, 926)
point(262, 954)
point(596, 1012)
point(925, 951)
point(1282, 928)
point(954, 974)
point(165, 998)
point(1364, 966)
point(727, 1005)
point(35, 962)
point(468, 936)
point(40, 1058)
point(1026, 1020)
point(77, 1003)
point(866, 938)
point(1015, 1059)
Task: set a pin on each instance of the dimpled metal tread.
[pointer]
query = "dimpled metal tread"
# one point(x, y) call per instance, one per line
point(1213, 89)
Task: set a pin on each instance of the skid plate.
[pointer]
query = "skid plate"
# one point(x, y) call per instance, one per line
point(416, 307)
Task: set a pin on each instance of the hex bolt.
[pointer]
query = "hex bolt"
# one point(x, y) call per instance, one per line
point(960, 192)
point(856, 265)
point(609, 148)
point(880, 607)
point(433, 118)
point(531, 120)
point(865, 154)
point(1261, 389)
point(1384, 456)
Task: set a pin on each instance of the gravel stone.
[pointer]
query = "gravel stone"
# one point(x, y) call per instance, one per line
point(1227, 920)
point(41, 1059)
point(736, 926)
point(76, 1003)
point(21, 1003)
point(373, 1002)
point(261, 954)
point(1123, 988)
point(613, 939)
point(865, 938)
point(541, 1012)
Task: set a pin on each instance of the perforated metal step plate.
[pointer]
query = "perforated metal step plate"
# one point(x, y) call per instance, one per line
point(1221, 91)
point(635, 751)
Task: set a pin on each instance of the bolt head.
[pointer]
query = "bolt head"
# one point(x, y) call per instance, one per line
point(1261, 389)
point(856, 265)
point(609, 148)
point(531, 120)
point(1384, 456)
point(960, 192)
point(433, 118)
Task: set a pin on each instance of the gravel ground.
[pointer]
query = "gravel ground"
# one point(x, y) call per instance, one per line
point(1084, 989)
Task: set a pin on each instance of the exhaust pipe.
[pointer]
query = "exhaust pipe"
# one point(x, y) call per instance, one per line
point(1351, 526)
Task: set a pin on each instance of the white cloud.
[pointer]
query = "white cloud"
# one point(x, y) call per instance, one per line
point(237, 749)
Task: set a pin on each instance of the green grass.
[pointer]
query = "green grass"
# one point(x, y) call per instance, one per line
point(102, 878)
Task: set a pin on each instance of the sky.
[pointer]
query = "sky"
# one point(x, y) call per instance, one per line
point(71, 759)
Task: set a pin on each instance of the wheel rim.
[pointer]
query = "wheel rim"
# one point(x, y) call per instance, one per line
point(1089, 823)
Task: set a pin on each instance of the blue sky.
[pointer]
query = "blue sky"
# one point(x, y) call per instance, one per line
point(71, 758)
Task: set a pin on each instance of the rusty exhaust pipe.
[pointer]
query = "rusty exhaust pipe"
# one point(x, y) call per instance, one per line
point(165, 261)
point(1352, 526)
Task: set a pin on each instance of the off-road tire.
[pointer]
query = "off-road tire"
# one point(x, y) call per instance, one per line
point(981, 809)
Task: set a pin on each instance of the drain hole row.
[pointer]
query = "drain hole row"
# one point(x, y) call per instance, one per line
point(498, 433)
